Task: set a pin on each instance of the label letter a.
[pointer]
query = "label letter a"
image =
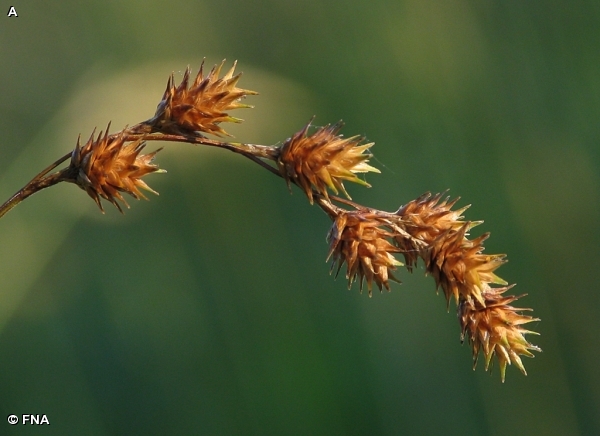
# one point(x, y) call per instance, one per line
point(12, 12)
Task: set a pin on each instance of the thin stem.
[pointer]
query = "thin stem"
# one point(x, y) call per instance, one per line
point(52, 166)
point(262, 163)
point(38, 183)
point(253, 152)
point(256, 153)
point(346, 202)
point(328, 207)
point(261, 151)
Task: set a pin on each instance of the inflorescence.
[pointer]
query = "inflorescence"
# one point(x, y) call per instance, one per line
point(367, 241)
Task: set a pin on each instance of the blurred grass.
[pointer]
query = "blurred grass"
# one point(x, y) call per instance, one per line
point(208, 310)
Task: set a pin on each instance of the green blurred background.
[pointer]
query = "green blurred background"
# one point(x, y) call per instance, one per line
point(209, 310)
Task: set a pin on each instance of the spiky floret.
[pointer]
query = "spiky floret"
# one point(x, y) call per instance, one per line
point(108, 165)
point(426, 218)
point(324, 160)
point(459, 267)
point(361, 240)
point(456, 263)
point(437, 234)
point(201, 106)
point(495, 329)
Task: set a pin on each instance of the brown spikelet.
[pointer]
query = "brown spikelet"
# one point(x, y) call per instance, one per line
point(437, 234)
point(360, 240)
point(459, 267)
point(455, 262)
point(495, 329)
point(425, 218)
point(201, 106)
point(324, 160)
point(108, 165)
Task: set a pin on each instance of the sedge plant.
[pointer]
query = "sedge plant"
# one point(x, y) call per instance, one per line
point(319, 161)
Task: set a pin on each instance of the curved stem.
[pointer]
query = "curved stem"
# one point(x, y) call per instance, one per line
point(262, 163)
point(256, 153)
point(38, 183)
point(260, 151)
point(346, 202)
point(52, 166)
point(327, 206)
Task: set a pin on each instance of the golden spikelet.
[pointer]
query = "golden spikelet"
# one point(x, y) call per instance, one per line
point(360, 240)
point(108, 165)
point(455, 262)
point(201, 106)
point(324, 160)
point(495, 329)
point(437, 234)
point(425, 218)
point(458, 266)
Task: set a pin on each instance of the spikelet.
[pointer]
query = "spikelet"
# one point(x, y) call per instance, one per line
point(436, 233)
point(201, 106)
point(324, 160)
point(108, 165)
point(495, 329)
point(455, 262)
point(459, 267)
point(425, 218)
point(360, 240)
